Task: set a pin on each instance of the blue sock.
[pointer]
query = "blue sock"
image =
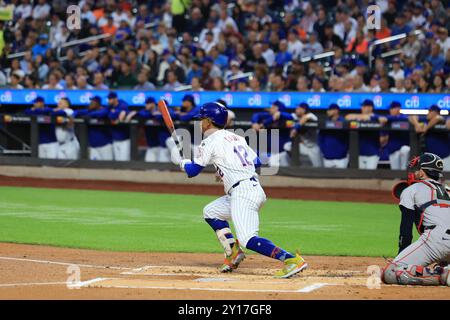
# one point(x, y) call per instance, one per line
point(267, 248)
point(217, 224)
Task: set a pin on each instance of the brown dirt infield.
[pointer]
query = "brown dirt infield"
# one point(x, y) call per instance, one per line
point(40, 272)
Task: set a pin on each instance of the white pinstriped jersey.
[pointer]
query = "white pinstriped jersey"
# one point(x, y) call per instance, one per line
point(231, 156)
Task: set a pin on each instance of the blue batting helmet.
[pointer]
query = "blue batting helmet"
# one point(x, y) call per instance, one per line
point(214, 111)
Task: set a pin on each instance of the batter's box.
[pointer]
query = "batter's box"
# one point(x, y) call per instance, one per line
point(241, 273)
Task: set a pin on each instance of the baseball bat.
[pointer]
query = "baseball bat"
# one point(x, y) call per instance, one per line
point(164, 110)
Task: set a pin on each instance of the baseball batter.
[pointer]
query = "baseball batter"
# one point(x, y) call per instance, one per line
point(426, 203)
point(235, 164)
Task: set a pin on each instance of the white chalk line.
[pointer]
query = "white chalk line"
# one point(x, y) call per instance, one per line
point(86, 283)
point(65, 263)
point(314, 287)
point(68, 284)
point(6, 285)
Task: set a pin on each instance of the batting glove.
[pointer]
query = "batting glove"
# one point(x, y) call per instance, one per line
point(183, 163)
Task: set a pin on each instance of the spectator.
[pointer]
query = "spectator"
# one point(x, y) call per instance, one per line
point(295, 46)
point(443, 40)
point(15, 81)
point(53, 82)
point(219, 59)
point(346, 26)
point(69, 82)
point(399, 86)
point(329, 39)
point(283, 56)
point(358, 45)
point(41, 10)
point(397, 72)
point(82, 83)
point(126, 79)
point(268, 54)
point(172, 81)
point(194, 71)
point(99, 81)
point(302, 84)
point(208, 42)
point(225, 20)
point(276, 83)
point(109, 27)
point(242, 85)
point(23, 10)
point(436, 59)
point(438, 84)
point(312, 47)
point(196, 85)
point(317, 85)
point(309, 18)
point(42, 47)
point(217, 84)
point(143, 83)
point(30, 82)
point(176, 68)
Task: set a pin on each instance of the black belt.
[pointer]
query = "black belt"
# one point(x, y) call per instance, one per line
point(237, 183)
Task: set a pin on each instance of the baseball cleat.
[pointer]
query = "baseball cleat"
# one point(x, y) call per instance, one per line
point(232, 261)
point(292, 266)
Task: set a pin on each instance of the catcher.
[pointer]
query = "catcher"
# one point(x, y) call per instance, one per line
point(425, 202)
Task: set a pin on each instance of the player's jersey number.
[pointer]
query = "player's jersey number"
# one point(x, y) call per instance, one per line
point(242, 154)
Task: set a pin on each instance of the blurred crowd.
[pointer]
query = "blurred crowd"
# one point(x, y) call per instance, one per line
point(243, 45)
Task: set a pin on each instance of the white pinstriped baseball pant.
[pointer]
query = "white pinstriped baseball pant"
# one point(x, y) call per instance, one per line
point(242, 206)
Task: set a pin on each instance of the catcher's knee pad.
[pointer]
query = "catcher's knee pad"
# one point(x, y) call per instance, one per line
point(410, 275)
point(389, 274)
point(418, 275)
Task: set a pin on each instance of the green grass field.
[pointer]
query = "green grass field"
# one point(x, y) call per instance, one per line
point(132, 221)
